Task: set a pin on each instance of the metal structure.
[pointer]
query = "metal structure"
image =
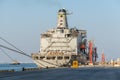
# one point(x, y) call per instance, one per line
point(103, 58)
point(62, 45)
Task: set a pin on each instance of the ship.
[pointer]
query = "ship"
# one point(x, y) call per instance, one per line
point(62, 45)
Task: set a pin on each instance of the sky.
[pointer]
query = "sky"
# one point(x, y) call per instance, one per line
point(22, 22)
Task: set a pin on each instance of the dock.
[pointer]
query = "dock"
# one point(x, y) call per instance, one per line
point(64, 74)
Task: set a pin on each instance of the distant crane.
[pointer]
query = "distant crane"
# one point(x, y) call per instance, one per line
point(103, 58)
point(92, 53)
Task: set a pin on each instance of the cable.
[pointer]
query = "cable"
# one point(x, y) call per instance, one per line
point(15, 50)
point(11, 44)
point(6, 54)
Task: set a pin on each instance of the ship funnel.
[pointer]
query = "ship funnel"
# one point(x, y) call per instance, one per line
point(62, 19)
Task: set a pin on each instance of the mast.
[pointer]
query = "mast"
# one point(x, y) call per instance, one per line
point(62, 19)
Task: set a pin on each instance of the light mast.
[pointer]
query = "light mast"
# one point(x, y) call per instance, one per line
point(62, 19)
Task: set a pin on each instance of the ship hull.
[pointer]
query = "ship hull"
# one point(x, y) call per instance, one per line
point(59, 62)
point(51, 63)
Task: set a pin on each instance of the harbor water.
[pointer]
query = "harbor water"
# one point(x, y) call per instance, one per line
point(16, 67)
point(84, 73)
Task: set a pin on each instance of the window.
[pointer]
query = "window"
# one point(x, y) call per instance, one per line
point(61, 16)
point(61, 20)
point(59, 57)
point(36, 57)
point(61, 23)
point(42, 57)
point(66, 57)
point(48, 58)
point(53, 58)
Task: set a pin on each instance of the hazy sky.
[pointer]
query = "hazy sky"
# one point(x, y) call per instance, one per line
point(22, 22)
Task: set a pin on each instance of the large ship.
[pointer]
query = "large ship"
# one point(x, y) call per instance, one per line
point(62, 45)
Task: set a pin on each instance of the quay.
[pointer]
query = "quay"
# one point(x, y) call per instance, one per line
point(64, 74)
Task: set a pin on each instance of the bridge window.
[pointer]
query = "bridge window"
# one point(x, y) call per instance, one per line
point(61, 20)
point(36, 57)
point(42, 57)
point(61, 23)
point(59, 57)
point(53, 58)
point(48, 58)
point(61, 16)
point(66, 57)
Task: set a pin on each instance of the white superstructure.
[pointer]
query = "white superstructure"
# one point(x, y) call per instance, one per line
point(61, 45)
